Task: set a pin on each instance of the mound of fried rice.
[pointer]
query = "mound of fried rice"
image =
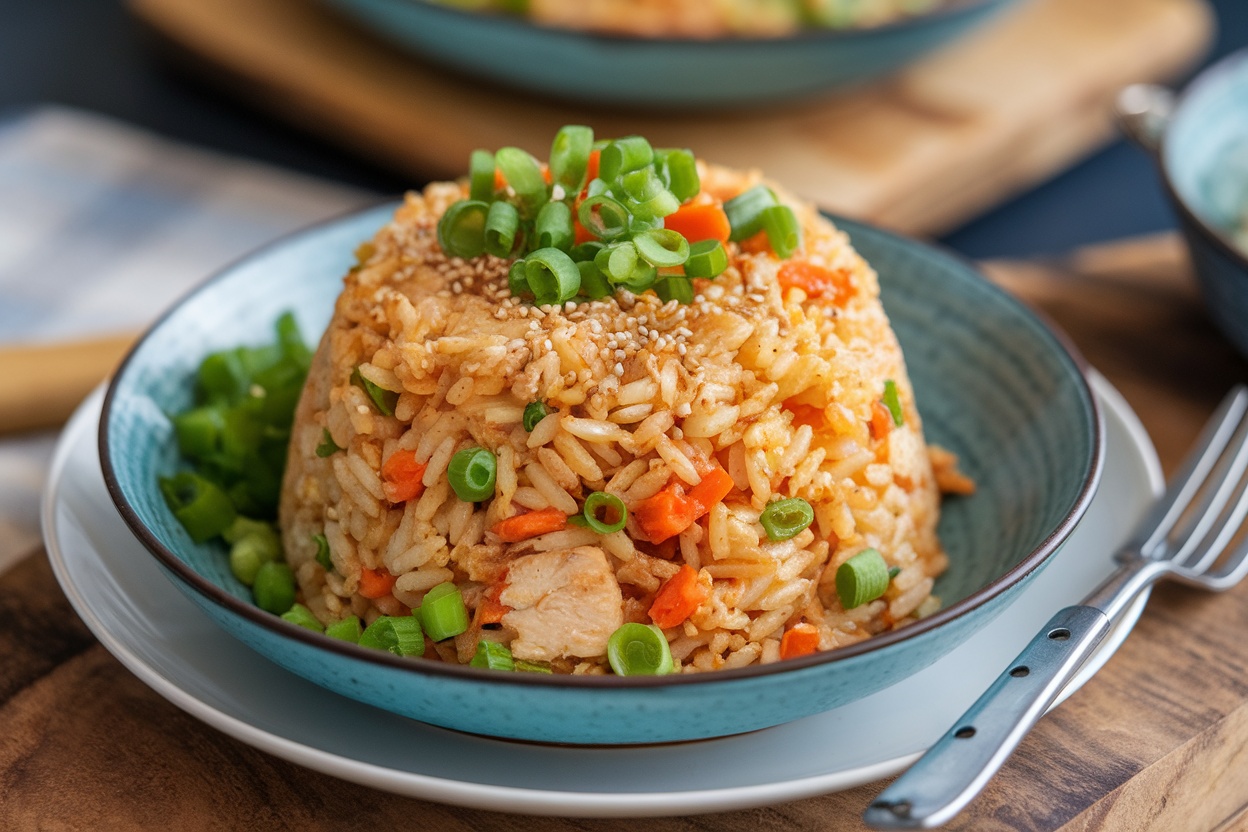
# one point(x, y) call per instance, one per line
point(779, 389)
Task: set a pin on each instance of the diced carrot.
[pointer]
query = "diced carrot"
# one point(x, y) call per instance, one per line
point(546, 174)
point(799, 640)
point(490, 610)
point(805, 414)
point(816, 281)
point(881, 419)
point(401, 477)
point(376, 583)
point(666, 514)
point(580, 232)
point(714, 487)
point(591, 167)
point(678, 599)
point(757, 244)
point(530, 524)
point(700, 221)
point(500, 181)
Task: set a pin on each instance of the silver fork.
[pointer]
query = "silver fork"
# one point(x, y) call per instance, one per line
point(1182, 537)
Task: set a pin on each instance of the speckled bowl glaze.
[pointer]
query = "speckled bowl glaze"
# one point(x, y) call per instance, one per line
point(1200, 142)
point(658, 72)
point(993, 383)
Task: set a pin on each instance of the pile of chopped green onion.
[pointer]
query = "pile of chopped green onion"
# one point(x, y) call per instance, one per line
point(622, 209)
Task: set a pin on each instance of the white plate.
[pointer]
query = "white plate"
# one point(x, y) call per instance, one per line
point(167, 642)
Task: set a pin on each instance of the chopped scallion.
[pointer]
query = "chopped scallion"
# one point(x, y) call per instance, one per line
point(745, 211)
point(639, 650)
point(493, 656)
point(461, 230)
point(784, 519)
point(301, 616)
point(443, 613)
point(862, 578)
point(534, 412)
point(554, 226)
point(569, 157)
point(624, 156)
point(680, 169)
point(604, 513)
point(662, 248)
point(322, 551)
point(674, 287)
point(274, 587)
point(707, 258)
point(783, 233)
point(552, 276)
point(328, 446)
point(594, 284)
point(603, 217)
point(502, 223)
point(471, 474)
point(481, 176)
point(524, 177)
point(893, 402)
point(202, 508)
point(384, 399)
point(398, 634)
point(348, 629)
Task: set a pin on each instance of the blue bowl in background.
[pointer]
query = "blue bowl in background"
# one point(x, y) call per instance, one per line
point(994, 384)
point(1200, 142)
point(659, 72)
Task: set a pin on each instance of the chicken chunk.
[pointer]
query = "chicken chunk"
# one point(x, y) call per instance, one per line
point(563, 603)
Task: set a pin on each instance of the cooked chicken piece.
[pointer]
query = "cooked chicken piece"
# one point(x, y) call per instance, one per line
point(563, 603)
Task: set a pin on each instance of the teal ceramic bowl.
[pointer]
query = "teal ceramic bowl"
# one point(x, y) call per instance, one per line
point(1200, 142)
point(659, 72)
point(993, 382)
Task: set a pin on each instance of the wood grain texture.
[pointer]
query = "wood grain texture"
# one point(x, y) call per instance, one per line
point(952, 135)
point(1156, 742)
point(28, 400)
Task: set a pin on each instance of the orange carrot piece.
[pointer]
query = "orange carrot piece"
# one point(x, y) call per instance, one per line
point(881, 419)
point(757, 244)
point(816, 281)
point(500, 181)
point(799, 640)
point(376, 583)
point(666, 514)
point(490, 610)
point(804, 414)
point(401, 477)
point(530, 524)
point(714, 487)
point(700, 221)
point(678, 599)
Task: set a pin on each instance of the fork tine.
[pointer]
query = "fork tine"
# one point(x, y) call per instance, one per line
point(1212, 508)
point(1160, 520)
point(1230, 573)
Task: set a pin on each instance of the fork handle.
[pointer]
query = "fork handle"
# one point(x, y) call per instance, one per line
point(956, 768)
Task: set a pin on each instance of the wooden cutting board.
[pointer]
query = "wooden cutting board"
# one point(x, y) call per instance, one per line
point(1156, 742)
point(949, 137)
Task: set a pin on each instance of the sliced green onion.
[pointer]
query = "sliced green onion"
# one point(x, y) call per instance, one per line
point(783, 519)
point(553, 227)
point(471, 474)
point(639, 650)
point(222, 378)
point(481, 176)
point(623, 156)
point(642, 186)
point(322, 551)
point(594, 284)
point(502, 223)
point(579, 521)
point(252, 551)
point(398, 634)
point(893, 572)
point(680, 169)
point(443, 613)
point(199, 431)
point(783, 232)
point(745, 211)
point(662, 248)
point(603, 217)
point(604, 513)
point(290, 339)
point(532, 667)
point(569, 157)
point(274, 588)
point(461, 230)
point(552, 276)
point(674, 287)
point(348, 629)
point(301, 616)
point(202, 508)
point(246, 527)
point(524, 177)
point(518, 280)
point(617, 261)
point(586, 250)
point(534, 412)
point(384, 399)
point(707, 258)
point(893, 402)
point(328, 446)
point(862, 578)
point(493, 656)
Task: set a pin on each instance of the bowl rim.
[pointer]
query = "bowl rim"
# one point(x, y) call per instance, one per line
point(951, 9)
point(276, 626)
point(1216, 73)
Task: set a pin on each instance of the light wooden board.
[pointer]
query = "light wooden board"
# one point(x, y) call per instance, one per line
point(942, 141)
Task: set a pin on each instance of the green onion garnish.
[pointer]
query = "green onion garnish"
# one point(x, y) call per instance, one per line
point(471, 474)
point(518, 280)
point(502, 223)
point(322, 551)
point(199, 431)
point(328, 446)
point(674, 287)
point(552, 276)
point(383, 399)
point(745, 211)
point(783, 519)
point(532, 667)
point(893, 572)
point(783, 233)
point(639, 650)
point(624, 156)
point(251, 551)
point(461, 231)
point(569, 157)
point(348, 629)
point(481, 176)
point(862, 578)
point(442, 612)
point(662, 247)
point(604, 217)
point(594, 284)
point(707, 258)
point(301, 616)
point(534, 412)
point(554, 226)
point(202, 508)
point(493, 656)
point(680, 170)
point(398, 634)
point(604, 513)
point(274, 588)
point(893, 402)
point(524, 177)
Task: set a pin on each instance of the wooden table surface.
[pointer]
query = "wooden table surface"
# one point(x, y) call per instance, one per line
point(1156, 741)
